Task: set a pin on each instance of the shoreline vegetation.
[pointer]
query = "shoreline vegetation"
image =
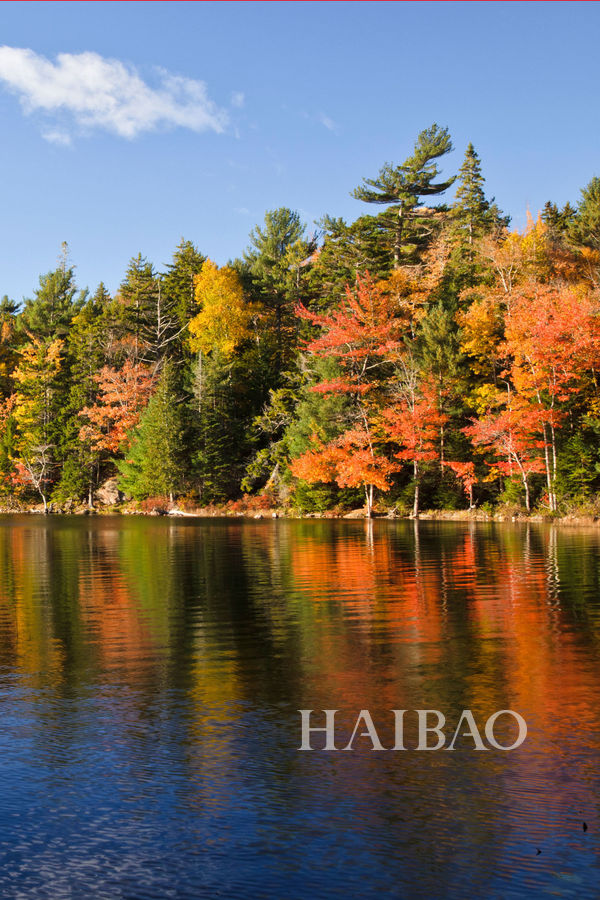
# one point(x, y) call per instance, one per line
point(423, 357)
point(166, 509)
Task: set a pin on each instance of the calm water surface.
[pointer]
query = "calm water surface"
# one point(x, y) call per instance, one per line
point(150, 676)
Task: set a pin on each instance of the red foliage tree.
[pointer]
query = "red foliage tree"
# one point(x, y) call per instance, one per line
point(465, 472)
point(123, 394)
point(552, 338)
point(413, 421)
point(514, 435)
point(361, 334)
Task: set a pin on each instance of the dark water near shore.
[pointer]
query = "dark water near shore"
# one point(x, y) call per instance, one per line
point(151, 672)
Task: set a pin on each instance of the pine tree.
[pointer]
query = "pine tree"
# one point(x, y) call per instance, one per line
point(471, 210)
point(220, 426)
point(362, 246)
point(56, 301)
point(584, 229)
point(274, 261)
point(148, 318)
point(471, 217)
point(8, 344)
point(557, 220)
point(438, 351)
point(178, 282)
point(401, 188)
point(154, 464)
point(86, 353)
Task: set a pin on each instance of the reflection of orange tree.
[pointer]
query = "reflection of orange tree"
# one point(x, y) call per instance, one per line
point(112, 615)
point(520, 650)
point(375, 594)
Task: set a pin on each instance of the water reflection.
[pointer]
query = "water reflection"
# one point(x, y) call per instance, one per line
point(150, 677)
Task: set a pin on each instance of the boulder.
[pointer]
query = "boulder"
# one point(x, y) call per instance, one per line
point(108, 494)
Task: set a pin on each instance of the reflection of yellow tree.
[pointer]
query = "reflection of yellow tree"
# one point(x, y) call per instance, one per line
point(30, 644)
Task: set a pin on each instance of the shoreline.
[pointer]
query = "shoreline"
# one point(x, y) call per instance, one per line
point(214, 512)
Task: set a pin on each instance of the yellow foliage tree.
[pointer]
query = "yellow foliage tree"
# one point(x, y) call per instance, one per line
point(481, 335)
point(225, 315)
point(35, 382)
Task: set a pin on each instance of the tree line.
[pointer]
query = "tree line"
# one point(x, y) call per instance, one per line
point(424, 354)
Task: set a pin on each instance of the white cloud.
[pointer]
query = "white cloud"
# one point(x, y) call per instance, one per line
point(57, 137)
point(238, 99)
point(105, 93)
point(327, 122)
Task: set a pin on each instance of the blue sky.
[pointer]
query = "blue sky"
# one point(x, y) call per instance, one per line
point(129, 125)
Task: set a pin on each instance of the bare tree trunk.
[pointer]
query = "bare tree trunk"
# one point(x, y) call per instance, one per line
point(369, 496)
point(554, 504)
point(416, 500)
point(547, 465)
point(527, 505)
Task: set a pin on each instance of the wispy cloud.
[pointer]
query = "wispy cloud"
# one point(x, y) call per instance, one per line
point(61, 138)
point(238, 99)
point(92, 92)
point(329, 124)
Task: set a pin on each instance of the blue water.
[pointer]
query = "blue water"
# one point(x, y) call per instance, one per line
point(151, 673)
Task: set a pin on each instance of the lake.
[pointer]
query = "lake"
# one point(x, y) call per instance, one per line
point(152, 672)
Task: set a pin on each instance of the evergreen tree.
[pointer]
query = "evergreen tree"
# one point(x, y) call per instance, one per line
point(154, 464)
point(471, 217)
point(557, 220)
point(220, 425)
point(148, 317)
point(471, 212)
point(274, 261)
point(86, 353)
point(178, 282)
point(56, 301)
point(363, 246)
point(325, 416)
point(401, 188)
point(438, 354)
point(584, 228)
point(8, 344)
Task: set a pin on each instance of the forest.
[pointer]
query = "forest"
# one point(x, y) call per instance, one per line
point(424, 356)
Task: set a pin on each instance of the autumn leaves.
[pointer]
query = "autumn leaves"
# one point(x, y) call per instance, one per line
point(530, 342)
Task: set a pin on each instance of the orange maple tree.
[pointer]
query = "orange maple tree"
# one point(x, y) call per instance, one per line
point(123, 395)
point(552, 337)
point(412, 421)
point(361, 334)
point(465, 472)
point(514, 435)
